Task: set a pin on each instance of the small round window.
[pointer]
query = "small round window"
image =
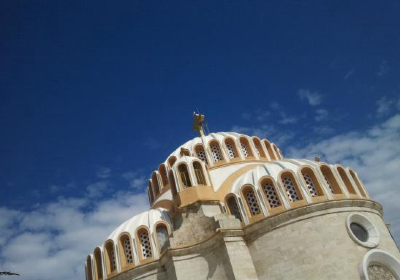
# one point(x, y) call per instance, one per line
point(359, 231)
point(362, 230)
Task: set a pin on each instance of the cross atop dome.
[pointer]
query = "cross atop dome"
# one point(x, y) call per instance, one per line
point(198, 120)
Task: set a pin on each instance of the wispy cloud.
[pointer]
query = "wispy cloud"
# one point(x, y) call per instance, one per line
point(97, 189)
point(349, 74)
point(383, 106)
point(135, 178)
point(103, 172)
point(269, 132)
point(313, 98)
point(151, 143)
point(367, 152)
point(321, 114)
point(384, 69)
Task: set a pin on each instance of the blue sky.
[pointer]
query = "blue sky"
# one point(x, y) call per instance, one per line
point(95, 95)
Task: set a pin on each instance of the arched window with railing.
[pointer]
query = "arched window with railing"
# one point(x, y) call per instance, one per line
point(271, 193)
point(269, 150)
point(311, 181)
point(216, 151)
point(174, 190)
point(163, 174)
point(245, 146)
point(233, 207)
point(291, 186)
point(330, 179)
point(346, 180)
point(89, 269)
point(259, 148)
point(198, 171)
point(145, 249)
point(126, 251)
point(111, 264)
point(162, 237)
point(231, 148)
point(184, 175)
point(251, 199)
point(201, 153)
point(171, 160)
point(98, 264)
point(358, 183)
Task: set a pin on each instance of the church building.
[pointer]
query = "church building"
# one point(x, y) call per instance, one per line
point(230, 206)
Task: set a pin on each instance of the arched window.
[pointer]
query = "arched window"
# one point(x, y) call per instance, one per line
point(358, 183)
point(145, 245)
point(233, 207)
point(346, 180)
point(216, 151)
point(184, 173)
point(198, 170)
point(269, 149)
point(291, 187)
point(269, 188)
point(97, 262)
point(171, 161)
point(163, 173)
point(252, 201)
point(330, 180)
point(278, 154)
point(231, 147)
point(127, 253)
point(173, 185)
point(110, 258)
point(150, 193)
point(89, 268)
point(245, 146)
point(259, 148)
point(154, 181)
point(162, 237)
point(201, 153)
point(311, 181)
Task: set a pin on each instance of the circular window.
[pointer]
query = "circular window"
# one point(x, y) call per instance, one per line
point(362, 230)
point(378, 264)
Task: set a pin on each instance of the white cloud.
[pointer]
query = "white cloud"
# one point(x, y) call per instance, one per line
point(374, 155)
point(104, 172)
point(136, 179)
point(55, 238)
point(321, 114)
point(269, 132)
point(313, 98)
point(97, 189)
point(384, 69)
point(383, 106)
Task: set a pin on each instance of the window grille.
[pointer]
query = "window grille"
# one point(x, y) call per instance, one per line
point(112, 259)
point(199, 174)
point(252, 203)
point(379, 272)
point(329, 184)
point(290, 189)
point(234, 209)
point(244, 149)
point(231, 150)
point(310, 185)
point(201, 154)
point(145, 244)
point(128, 250)
point(271, 195)
point(216, 153)
point(258, 152)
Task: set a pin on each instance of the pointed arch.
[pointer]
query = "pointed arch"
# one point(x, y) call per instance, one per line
point(231, 148)
point(330, 179)
point(269, 150)
point(126, 251)
point(259, 147)
point(346, 180)
point(198, 171)
point(89, 270)
point(201, 153)
point(246, 148)
point(216, 152)
point(233, 207)
point(358, 183)
point(184, 175)
point(162, 170)
point(311, 181)
point(110, 258)
point(144, 244)
point(98, 264)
